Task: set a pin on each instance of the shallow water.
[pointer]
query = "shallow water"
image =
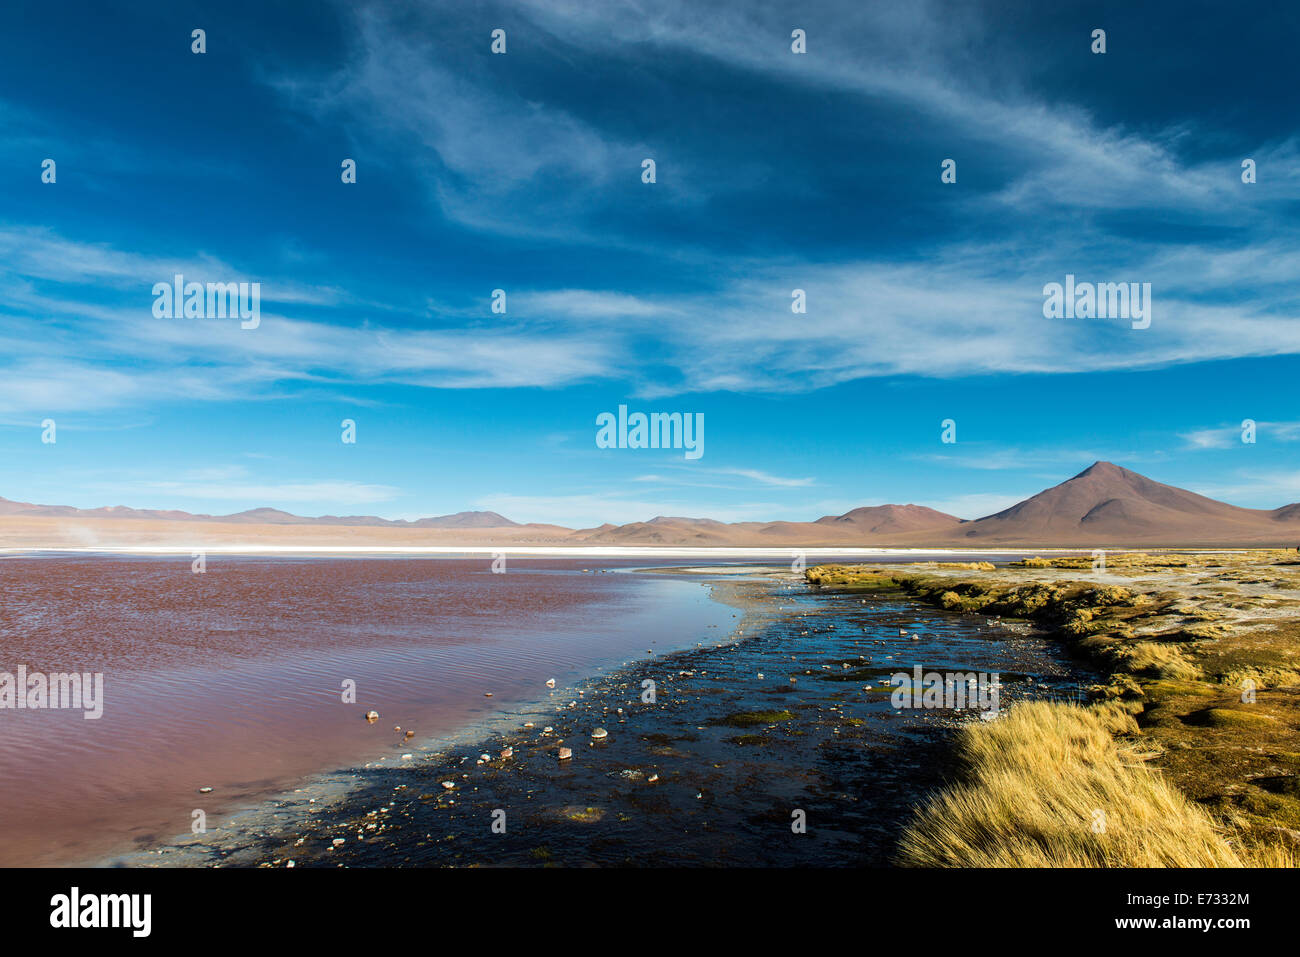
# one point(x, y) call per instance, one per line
point(232, 679)
point(715, 771)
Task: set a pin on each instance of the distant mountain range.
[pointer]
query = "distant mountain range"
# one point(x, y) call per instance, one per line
point(1102, 505)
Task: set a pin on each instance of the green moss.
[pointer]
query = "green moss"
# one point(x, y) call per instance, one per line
point(750, 719)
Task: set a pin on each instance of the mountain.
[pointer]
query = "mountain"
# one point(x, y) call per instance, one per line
point(1103, 506)
point(876, 524)
point(261, 516)
point(890, 519)
point(1107, 504)
point(465, 520)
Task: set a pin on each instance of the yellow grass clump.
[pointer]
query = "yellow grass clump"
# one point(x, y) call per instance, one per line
point(1046, 785)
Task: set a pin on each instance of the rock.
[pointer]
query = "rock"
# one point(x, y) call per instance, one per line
point(507, 753)
point(547, 730)
point(409, 735)
point(550, 682)
point(565, 753)
point(485, 757)
point(487, 694)
point(337, 842)
point(205, 790)
point(599, 733)
point(652, 779)
point(407, 757)
point(372, 716)
point(448, 784)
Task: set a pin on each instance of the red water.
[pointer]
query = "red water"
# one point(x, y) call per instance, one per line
point(232, 679)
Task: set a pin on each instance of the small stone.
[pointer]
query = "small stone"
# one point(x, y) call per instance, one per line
point(205, 790)
point(507, 753)
point(372, 716)
point(652, 779)
point(448, 784)
point(487, 694)
point(338, 842)
point(550, 682)
point(600, 733)
point(409, 735)
point(565, 753)
point(407, 757)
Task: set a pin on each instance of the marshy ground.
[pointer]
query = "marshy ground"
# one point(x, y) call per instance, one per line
point(1201, 656)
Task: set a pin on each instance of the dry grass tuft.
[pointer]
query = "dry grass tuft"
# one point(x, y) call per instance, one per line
point(1032, 785)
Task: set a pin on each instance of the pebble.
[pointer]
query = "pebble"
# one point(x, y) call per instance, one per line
point(565, 753)
point(448, 784)
point(599, 733)
point(550, 682)
point(372, 716)
point(205, 790)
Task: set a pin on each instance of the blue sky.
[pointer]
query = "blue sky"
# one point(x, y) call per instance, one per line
point(522, 171)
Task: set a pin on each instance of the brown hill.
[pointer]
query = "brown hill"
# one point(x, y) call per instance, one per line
point(1107, 504)
point(890, 519)
point(1104, 505)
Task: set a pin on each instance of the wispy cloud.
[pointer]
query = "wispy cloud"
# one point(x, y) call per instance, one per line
point(1230, 436)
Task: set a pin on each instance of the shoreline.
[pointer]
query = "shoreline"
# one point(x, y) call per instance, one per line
point(718, 759)
point(320, 791)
